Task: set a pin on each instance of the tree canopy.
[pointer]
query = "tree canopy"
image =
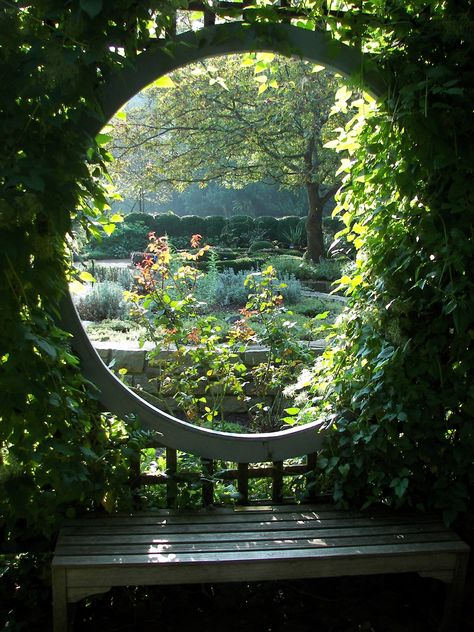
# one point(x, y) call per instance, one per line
point(260, 118)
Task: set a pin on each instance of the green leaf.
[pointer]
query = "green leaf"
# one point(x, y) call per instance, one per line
point(292, 411)
point(47, 347)
point(87, 277)
point(116, 218)
point(91, 7)
point(108, 228)
point(164, 82)
point(266, 57)
point(103, 139)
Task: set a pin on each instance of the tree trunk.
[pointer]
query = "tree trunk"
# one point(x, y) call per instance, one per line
point(314, 224)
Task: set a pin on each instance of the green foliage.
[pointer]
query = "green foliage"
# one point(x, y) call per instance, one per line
point(169, 302)
point(288, 223)
point(245, 263)
point(59, 455)
point(102, 301)
point(260, 245)
point(329, 269)
point(396, 384)
point(168, 224)
point(143, 219)
point(325, 270)
point(192, 225)
point(114, 274)
point(241, 222)
point(126, 238)
point(214, 225)
point(295, 235)
point(269, 227)
point(286, 354)
point(277, 119)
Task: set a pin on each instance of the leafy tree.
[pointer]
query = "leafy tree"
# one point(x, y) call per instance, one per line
point(263, 118)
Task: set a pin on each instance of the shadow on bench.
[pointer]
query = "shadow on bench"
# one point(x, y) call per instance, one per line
point(251, 544)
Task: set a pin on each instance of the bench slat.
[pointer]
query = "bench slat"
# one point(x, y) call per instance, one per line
point(235, 517)
point(152, 537)
point(286, 543)
point(243, 556)
point(291, 542)
point(221, 527)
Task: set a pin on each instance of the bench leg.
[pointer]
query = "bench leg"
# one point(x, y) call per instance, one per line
point(60, 609)
point(454, 596)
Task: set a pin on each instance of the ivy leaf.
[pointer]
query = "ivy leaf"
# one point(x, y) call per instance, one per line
point(87, 277)
point(47, 347)
point(91, 7)
point(164, 82)
point(103, 139)
point(108, 228)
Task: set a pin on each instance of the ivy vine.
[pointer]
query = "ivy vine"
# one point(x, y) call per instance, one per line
point(401, 372)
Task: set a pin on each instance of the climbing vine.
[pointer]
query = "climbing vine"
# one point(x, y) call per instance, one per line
point(398, 379)
point(401, 371)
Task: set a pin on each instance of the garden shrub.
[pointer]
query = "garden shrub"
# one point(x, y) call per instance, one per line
point(167, 224)
point(225, 254)
point(124, 240)
point(287, 223)
point(269, 227)
point(214, 225)
point(102, 301)
point(136, 257)
point(179, 243)
point(114, 274)
point(231, 288)
point(192, 225)
point(291, 252)
point(295, 236)
point(241, 223)
point(145, 219)
point(260, 245)
point(295, 265)
point(244, 263)
point(329, 269)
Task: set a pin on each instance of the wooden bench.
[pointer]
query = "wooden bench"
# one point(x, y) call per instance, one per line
point(251, 544)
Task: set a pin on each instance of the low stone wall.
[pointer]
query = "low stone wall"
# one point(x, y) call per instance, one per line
point(141, 372)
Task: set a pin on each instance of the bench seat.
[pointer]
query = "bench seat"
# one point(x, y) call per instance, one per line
point(250, 544)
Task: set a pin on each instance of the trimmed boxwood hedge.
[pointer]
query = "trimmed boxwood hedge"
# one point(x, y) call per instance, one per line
point(214, 225)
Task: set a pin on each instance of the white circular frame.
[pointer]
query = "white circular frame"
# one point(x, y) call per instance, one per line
point(223, 39)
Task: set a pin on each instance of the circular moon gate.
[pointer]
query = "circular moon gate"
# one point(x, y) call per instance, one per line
point(224, 39)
